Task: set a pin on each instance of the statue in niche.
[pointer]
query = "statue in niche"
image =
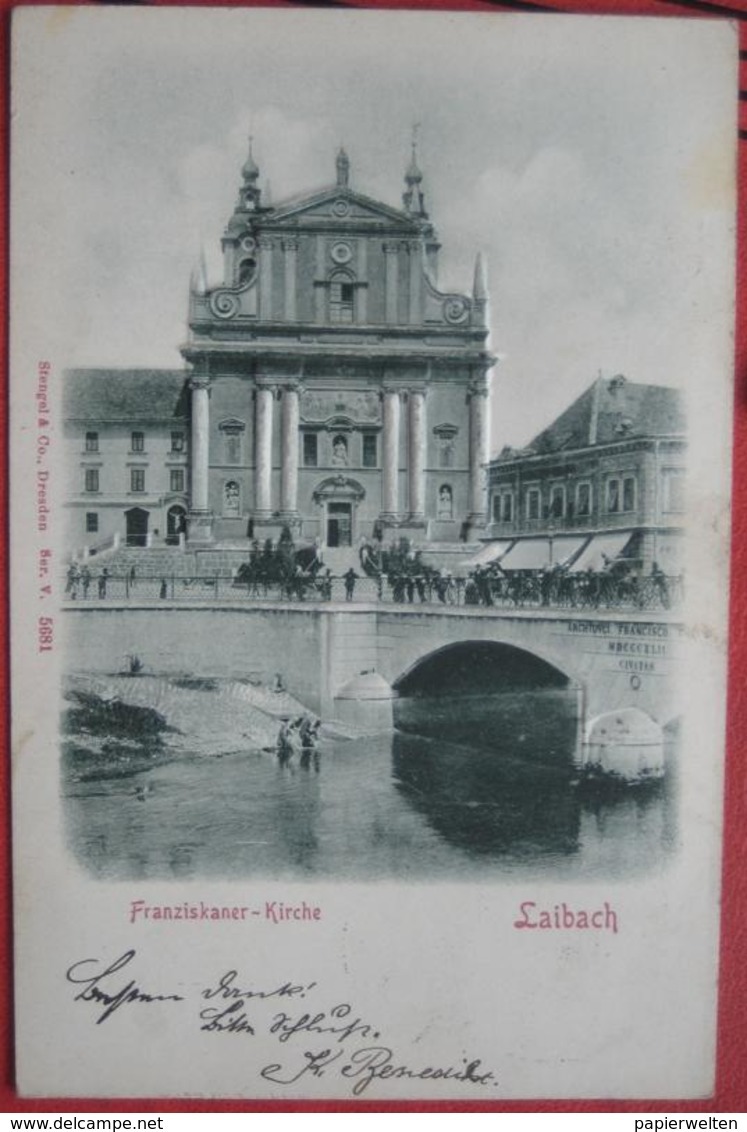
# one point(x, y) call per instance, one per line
point(231, 499)
point(340, 452)
point(445, 508)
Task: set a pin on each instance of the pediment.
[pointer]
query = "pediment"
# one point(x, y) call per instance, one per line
point(342, 206)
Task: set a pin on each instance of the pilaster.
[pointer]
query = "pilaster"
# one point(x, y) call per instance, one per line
point(263, 412)
point(290, 258)
point(201, 519)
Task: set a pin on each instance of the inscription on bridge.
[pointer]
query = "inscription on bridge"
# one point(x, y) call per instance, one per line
point(630, 646)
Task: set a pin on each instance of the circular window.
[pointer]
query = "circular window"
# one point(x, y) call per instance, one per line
point(341, 208)
point(341, 253)
point(248, 243)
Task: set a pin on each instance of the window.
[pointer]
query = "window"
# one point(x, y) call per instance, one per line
point(533, 503)
point(137, 479)
point(310, 449)
point(231, 433)
point(557, 501)
point(583, 500)
point(341, 299)
point(177, 479)
point(370, 455)
point(232, 446)
point(613, 495)
point(247, 271)
point(445, 435)
point(673, 490)
point(92, 442)
point(92, 479)
point(92, 522)
point(446, 454)
point(177, 442)
point(503, 507)
point(628, 500)
point(137, 442)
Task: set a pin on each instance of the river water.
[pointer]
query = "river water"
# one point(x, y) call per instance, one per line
point(466, 788)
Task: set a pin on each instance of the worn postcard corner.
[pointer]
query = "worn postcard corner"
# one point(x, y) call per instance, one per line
point(370, 491)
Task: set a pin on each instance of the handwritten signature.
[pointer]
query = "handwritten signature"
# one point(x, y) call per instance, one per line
point(374, 1063)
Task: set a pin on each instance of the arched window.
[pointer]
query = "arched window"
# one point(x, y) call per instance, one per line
point(341, 297)
point(247, 270)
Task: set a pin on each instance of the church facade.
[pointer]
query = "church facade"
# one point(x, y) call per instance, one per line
point(329, 386)
point(334, 388)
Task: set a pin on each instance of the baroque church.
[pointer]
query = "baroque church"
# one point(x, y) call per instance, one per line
point(330, 386)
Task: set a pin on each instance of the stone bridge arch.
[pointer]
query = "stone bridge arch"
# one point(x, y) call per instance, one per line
point(481, 665)
point(406, 640)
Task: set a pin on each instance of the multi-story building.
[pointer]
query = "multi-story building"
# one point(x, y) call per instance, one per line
point(605, 480)
point(127, 436)
point(329, 386)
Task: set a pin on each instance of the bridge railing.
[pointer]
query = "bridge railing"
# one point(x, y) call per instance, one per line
point(520, 590)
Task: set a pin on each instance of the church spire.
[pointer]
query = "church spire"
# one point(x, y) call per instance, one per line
point(250, 192)
point(413, 198)
point(343, 169)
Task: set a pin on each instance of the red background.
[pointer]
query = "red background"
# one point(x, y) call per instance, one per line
point(731, 1084)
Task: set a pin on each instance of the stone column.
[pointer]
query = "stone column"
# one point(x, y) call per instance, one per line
point(391, 256)
point(289, 448)
point(263, 408)
point(416, 454)
point(390, 456)
point(478, 449)
point(200, 443)
point(265, 278)
point(290, 249)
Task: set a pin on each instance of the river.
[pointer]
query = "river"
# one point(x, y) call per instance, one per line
point(468, 788)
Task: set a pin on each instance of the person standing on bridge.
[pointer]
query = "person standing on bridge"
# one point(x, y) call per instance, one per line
point(103, 579)
point(350, 579)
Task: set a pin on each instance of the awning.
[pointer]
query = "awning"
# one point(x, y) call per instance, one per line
point(539, 553)
point(488, 553)
point(610, 545)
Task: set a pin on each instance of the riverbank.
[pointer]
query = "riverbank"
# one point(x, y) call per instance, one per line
point(122, 723)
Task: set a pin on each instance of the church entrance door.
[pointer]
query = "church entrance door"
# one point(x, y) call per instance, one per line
point(339, 524)
point(137, 526)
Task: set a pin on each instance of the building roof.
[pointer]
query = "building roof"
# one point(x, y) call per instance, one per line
point(610, 410)
point(100, 395)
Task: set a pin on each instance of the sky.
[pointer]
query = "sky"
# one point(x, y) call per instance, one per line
point(589, 158)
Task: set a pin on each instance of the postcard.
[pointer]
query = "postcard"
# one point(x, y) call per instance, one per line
point(371, 414)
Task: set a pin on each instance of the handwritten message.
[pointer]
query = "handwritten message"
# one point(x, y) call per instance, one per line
point(311, 1038)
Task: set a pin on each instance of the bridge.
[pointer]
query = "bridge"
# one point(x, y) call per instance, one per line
point(347, 661)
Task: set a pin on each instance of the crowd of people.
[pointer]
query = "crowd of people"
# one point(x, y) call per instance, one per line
point(400, 574)
point(402, 571)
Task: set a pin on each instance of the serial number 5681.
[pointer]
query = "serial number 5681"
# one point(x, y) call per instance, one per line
point(45, 633)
